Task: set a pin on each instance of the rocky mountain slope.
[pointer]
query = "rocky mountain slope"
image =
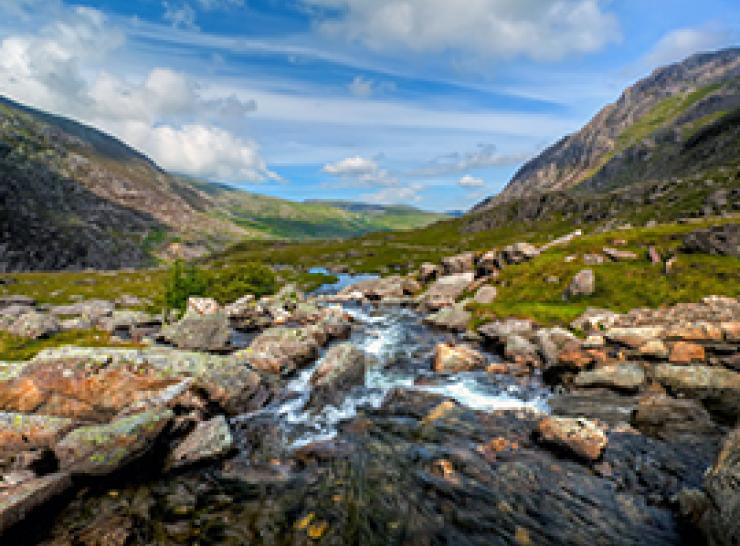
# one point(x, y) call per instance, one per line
point(681, 120)
point(72, 197)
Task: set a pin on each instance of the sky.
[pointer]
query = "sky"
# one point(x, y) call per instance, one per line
point(431, 103)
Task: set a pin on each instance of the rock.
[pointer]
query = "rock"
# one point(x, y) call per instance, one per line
point(377, 289)
point(500, 330)
point(342, 368)
point(594, 259)
point(34, 325)
point(485, 295)
point(243, 307)
point(282, 350)
point(670, 263)
point(594, 319)
point(411, 287)
point(20, 432)
point(17, 502)
point(654, 348)
point(552, 279)
point(565, 239)
point(581, 437)
point(721, 240)
point(552, 342)
point(667, 417)
point(446, 290)
point(92, 309)
point(619, 255)
point(209, 440)
point(654, 256)
point(428, 272)
point(101, 449)
point(731, 331)
point(127, 321)
point(627, 377)
point(462, 263)
point(202, 306)
point(721, 523)
point(695, 331)
point(457, 358)
point(604, 405)
point(209, 332)
point(583, 284)
point(634, 337)
point(519, 253)
point(488, 264)
point(14, 311)
point(454, 318)
point(684, 352)
point(718, 388)
point(16, 299)
point(128, 300)
point(521, 351)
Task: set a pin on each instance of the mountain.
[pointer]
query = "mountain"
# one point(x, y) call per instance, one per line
point(682, 120)
point(73, 197)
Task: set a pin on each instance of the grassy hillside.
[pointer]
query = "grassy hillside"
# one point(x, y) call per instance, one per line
point(271, 218)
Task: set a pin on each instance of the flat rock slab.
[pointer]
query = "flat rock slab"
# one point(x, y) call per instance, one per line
point(581, 437)
point(17, 502)
point(627, 377)
point(101, 449)
point(209, 440)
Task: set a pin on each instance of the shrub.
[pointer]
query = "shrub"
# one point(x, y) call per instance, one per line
point(183, 281)
point(231, 283)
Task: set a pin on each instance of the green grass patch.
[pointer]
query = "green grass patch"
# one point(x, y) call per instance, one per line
point(21, 348)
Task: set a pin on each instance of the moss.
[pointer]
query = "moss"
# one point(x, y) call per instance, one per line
point(21, 348)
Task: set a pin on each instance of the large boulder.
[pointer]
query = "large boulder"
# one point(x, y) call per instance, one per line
point(209, 440)
point(499, 331)
point(282, 350)
point(377, 289)
point(457, 358)
point(580, 437)
point(668, 418)
point(19, 501)
point(626, 377)
point(34, 325)
point(195, 332)
point(454, 318)
point(721, 240)
point(101, 449)
point(462, 263)
point(718, 388)
point(20, 432)
point(202, 306)
point(583, 284)
point(342, 368)
point(519, 253)
point(446, 290)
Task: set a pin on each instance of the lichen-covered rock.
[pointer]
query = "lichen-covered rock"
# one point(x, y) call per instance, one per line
point(34, 325)
point(519, 253)
point(581, 437)
point(634, 337)
point(457, 358)
point(92, 309)
point(446, 290)
point(461, 263)
point(342, 368)
point(377, 289)
point(207, 332)
point(594, 320)
point(209, 440)
point(282, 350)
point(454, 318)
point(202, 306)
point(500, 330)
point(583, 284)
point(627, 376)
point(19, 431)
point(101, 449)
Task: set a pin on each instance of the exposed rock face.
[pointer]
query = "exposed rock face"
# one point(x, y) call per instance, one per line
point(457, 358)
point(722, 486)
point(721, 240)
point(581, 437)
point(583, 284)
point(209, 440)
point(596, 157)
point(19, 431)
point(342, 368)
point(101, 449)
point(199, 332)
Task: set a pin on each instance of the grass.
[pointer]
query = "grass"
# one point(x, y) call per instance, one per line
point(20, 348)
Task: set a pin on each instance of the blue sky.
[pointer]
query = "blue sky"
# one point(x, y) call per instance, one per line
point(433, 103)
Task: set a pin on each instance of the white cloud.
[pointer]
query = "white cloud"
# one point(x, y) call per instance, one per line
point(360, 172)
point(210, 5)
point(539, 29)
point(468, 181)
point(486, 155)
point(365, 88)
point(683, 42)
point(164, 115)
point(401, 195)
point(179, 15)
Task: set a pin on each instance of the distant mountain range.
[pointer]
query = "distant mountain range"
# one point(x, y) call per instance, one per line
point(682, 120)
point(72, 197)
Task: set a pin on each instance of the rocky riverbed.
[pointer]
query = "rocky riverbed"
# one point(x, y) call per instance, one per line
point(371, 414)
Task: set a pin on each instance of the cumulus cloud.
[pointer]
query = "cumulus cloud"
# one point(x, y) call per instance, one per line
point(539, 29)
point(163, 115)
point(485, 155)
point(401, 195)
point(683, 42)
point(359, 171)
point(468, 181)
point(365, 88)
